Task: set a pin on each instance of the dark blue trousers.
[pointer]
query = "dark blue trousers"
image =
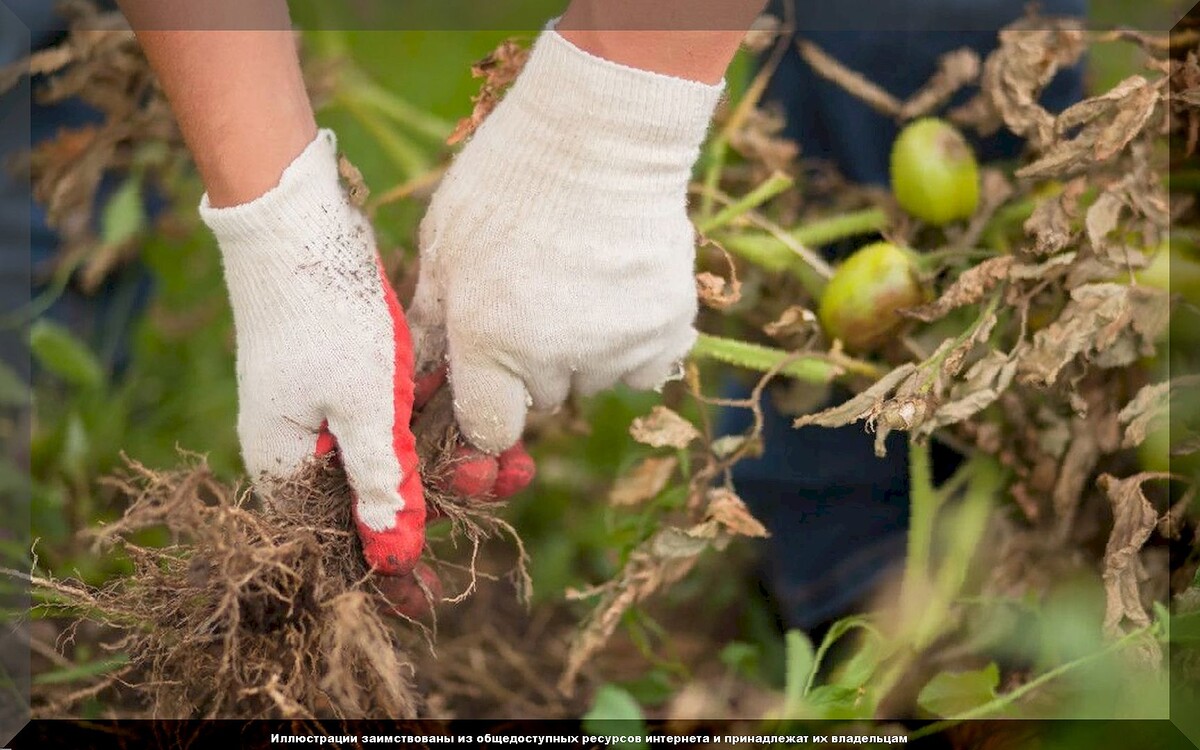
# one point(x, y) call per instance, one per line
point(837, 514)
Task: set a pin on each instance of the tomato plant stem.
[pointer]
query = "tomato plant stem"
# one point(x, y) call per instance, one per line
point(768, 189)
point(810, 369)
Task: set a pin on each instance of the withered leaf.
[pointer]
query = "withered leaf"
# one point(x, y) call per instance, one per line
point(665, 557)
point(1131, 117)
point(1109, 324)
point(1078, 461)
point(983, 385)
point(1102, 219)
point(1147, 409)
point(859, 406)
point(1031, 53)
point(957, 356)
point(1047, 269)
point(663, 428)
point(715, 292)
point(727, 509)
point(1050, 224)
point(646, 480)
point(499, 69)
point(1134, 518)
point(673, 543)
point(1089, 109)
point(969, 288)
point(356, 186)
point(1113, 121)
point(794, 321)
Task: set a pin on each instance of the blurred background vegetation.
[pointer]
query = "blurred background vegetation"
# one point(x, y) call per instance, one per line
point(157, 374)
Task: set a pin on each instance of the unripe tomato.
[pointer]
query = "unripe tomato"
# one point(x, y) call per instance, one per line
point(862, 303)
point(934, 174)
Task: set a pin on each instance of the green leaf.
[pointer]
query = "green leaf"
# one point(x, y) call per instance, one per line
point(835, 632)
point(743, 658)
point(77, 447)
point(57, 350)
point(80, 672)
point(1185, 628)
point(13, 390)
point(953, 693)
point(124, 216)
point(615, 713)
point(826, 697)
point(800, 660)
point(654, 688)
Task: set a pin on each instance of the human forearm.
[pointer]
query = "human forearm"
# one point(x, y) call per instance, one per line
point(693, 39)
point(236, 89)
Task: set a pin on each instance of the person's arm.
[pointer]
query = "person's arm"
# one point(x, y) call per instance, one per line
point(693, 39)
point(557, 254)
point(324, 356)
point(235, 87)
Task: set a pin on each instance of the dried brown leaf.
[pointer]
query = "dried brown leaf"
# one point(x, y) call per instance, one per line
point(983, 385)
point(1144, 412)
point(1134, 519)
point(1102, 218)
point(859, 406)
point(727, 509)
point(356, 186)
point(1052, 222)
point(715, 292)
point(1108, 324)
point(1031, 53)
point(664, 558)
point(1132, 115)
point(663, 428)
point(957, 357)
point(1086, 111)
point(970, 287)
point(1113, 120)
point(795, 321)
point(645, 481)
point(498, 69)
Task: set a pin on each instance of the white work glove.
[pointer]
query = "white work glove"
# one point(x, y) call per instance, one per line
point(323, 351)
point(557, 254)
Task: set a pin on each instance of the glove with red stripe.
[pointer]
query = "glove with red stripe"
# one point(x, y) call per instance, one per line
point(324, 356)
point(325, 362)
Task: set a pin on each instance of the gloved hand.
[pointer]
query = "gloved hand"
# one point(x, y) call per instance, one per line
point(557, 255)
point(324, 356)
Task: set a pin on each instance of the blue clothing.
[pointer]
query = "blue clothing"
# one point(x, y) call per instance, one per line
point(27, 244)
point(837, 514)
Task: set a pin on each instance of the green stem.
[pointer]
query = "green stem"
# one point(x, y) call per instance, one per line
point(924, 501)
point(407, 157)
point(718, 152)
point(841, 226)
point(810, 369)
point(1003, 701)
point(772, 253)
point(371, 94)
point(768, 189)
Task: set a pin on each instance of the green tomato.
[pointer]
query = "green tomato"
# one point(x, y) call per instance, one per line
point(934, 174)
point(862, 302)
